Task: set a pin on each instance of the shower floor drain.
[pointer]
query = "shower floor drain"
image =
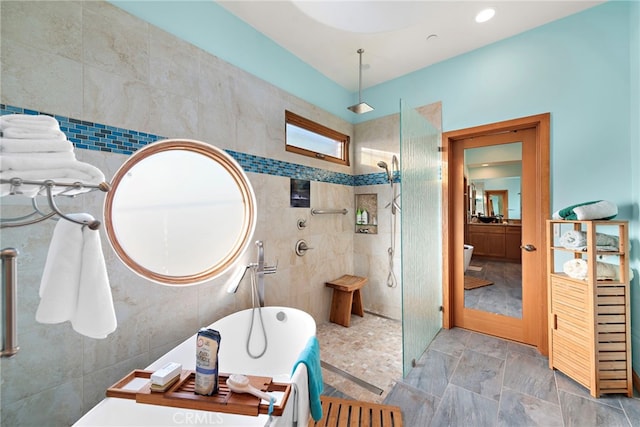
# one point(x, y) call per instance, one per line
point(362, 383)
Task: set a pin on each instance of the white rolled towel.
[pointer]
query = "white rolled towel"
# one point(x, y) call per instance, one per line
point(33, 133)
point(579, 269)
point(41, 121)
point(14, 145)
point(75, 286)
point(576, 239)
point(598, 210)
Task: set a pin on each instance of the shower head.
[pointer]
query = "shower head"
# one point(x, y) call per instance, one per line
point(383, 165)
point(360, 107)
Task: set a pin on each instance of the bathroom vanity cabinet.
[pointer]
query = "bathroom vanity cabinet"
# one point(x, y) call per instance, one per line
point(589, 326)
point(499, 241)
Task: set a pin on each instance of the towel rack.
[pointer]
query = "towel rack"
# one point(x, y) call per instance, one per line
point(328, 211)
point(48, 186)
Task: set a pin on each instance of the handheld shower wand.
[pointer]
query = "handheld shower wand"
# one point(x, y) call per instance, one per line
point(383, 165)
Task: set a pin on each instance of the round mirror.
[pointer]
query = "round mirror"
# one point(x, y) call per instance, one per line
point(180, 212)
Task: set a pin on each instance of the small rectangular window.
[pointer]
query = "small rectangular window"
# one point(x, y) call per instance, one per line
point(312, 139)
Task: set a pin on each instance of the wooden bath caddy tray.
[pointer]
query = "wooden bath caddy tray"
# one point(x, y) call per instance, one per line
point(181, 394)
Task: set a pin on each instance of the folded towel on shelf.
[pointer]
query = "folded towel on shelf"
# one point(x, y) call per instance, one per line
point(576, 239)
point(579, 269)
point(75, 286)
point(310, 357)
point(28, 120)
point(55, 155)
point(28, 163)
point(33, 133)
point(13, 145)
point(598, 209)
point(76, 172)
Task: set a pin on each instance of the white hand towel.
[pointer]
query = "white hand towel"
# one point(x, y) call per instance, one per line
point(75, 286)
point(95, 316)
point(33, 133)
point(302, 411)
point(61, 275)
point(29, 120)
point(35, 145)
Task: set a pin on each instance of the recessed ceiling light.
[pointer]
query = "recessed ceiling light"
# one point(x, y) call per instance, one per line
point(485, 15)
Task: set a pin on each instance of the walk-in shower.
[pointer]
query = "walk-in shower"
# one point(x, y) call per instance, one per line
point(392, 178)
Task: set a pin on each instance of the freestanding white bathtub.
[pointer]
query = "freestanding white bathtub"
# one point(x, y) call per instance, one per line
point(288, 331)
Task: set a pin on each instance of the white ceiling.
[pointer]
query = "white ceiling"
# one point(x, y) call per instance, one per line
point(390, 53)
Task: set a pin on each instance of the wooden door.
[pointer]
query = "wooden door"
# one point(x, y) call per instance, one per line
point(533, 132)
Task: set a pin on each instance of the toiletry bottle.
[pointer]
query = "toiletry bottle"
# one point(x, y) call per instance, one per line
point(207, 345)
point(359, 216)
point(364, 216)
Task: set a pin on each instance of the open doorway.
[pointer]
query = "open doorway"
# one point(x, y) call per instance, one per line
point(500, 239)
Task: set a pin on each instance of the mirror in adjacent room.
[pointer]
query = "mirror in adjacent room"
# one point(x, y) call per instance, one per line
point(180, 212)
point(493, 270)
point(497, 204)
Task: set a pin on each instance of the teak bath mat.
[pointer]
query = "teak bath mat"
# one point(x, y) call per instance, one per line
point(338, 412)
point(471, 282)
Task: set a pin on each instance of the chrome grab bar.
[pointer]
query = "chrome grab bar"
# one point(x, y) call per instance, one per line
point(328, 211)
point(9, 303)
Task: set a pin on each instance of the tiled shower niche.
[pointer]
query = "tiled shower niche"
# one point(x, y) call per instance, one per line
point(369, 203)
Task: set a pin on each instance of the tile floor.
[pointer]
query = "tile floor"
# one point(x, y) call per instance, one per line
point(369, 349)
point(470, 379)
point(504, 296)
point(465, 379)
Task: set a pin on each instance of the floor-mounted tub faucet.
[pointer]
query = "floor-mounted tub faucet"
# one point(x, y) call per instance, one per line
point(258, 270)
point(261, 270)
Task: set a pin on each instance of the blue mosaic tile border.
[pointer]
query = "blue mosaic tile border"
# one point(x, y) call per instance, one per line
point(374, 179)
point(251, 163)
point(100, 137)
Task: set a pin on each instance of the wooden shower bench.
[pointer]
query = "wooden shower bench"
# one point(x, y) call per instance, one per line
point(346, 298)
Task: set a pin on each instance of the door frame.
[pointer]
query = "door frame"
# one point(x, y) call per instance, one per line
point(541, 123)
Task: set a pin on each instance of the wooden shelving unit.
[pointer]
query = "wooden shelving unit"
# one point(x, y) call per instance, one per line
point(589, 319)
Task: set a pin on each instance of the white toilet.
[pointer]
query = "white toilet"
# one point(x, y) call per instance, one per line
point(468, 251)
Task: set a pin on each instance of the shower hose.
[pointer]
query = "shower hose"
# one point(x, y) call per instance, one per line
point(256, 306)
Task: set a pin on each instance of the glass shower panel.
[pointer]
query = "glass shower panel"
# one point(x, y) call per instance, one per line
point(421, 201)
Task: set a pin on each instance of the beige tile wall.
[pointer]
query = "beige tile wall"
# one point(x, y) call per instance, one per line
point(92, 61)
